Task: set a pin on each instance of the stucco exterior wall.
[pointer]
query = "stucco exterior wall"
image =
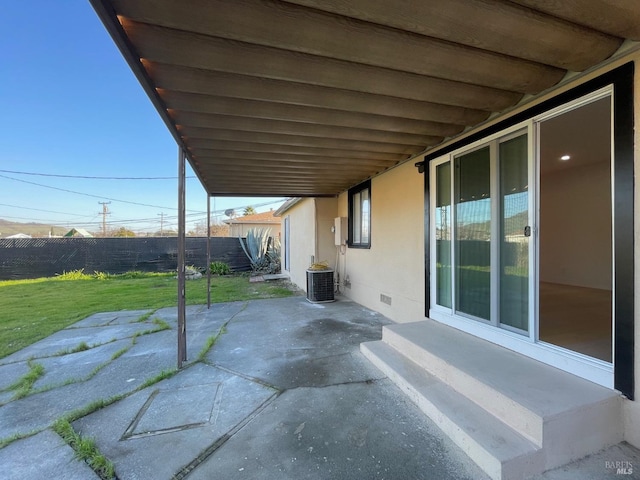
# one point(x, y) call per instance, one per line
point(394, 265)
point(302, 239)
point(326, 211)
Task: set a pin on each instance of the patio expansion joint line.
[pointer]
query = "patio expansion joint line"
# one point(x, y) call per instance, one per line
point(211, 449)
point(368, 381)
point(245, 376)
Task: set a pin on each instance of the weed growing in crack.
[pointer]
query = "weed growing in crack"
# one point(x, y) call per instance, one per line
point(16, 436)
point(144, 317)
point(24, 384)
point(85, 449)
point(211, 341)
point(163, 375)
point(161, 324)
point(91, 407)
point(120, 352)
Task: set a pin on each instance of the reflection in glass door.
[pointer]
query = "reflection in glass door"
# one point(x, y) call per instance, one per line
point(472, 194)
point(515, 232)
point(443, 235)
point(482, 233)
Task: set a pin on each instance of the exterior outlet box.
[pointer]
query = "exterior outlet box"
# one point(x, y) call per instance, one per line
point(340, 228)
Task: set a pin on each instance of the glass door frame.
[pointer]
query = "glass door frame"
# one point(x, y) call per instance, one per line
point(493, 141)
point(528, 344)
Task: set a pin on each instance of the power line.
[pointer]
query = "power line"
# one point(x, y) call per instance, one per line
point(90, 177)
point(88, 194)
point(135, 203)
point(41, 210)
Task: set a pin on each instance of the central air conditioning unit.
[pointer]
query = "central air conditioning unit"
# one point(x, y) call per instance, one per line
point(320, 286)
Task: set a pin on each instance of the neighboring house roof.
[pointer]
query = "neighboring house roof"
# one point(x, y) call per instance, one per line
point(265, 217)
point(78, 232)
point(19, 235)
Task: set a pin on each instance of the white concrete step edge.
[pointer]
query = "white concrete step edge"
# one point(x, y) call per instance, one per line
point(493, 446)
point(580, 420)
point(511, 412)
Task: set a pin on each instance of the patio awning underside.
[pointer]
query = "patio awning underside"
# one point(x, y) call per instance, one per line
point(309, 97)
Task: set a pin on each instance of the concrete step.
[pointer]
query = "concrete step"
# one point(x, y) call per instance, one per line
point(495, 447)
point(564, 415)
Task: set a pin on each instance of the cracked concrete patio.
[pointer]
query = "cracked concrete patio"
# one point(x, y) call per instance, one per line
point(283, 393)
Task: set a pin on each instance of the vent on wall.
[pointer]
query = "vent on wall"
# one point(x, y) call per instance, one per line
point(320, 286)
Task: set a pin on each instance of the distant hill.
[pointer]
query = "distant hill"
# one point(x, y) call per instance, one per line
point(8, 228)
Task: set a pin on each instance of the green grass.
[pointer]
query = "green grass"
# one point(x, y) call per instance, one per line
point(34, 309)
point(163, 375)
point(85, 449)
point(211, 341)
point(22, 387)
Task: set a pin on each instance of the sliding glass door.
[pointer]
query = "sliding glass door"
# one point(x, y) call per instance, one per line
point(481, 251)
point(522, 237)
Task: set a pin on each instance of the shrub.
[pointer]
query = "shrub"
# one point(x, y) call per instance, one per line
point(220, 268)
point(73, 275)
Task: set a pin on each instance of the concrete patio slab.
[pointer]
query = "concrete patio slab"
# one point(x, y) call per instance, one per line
point(363, 430)
point(44, 455)
point(111, 318)
point(77, 366)
point(159, 452)
point(10, 372)
point(70, 338)
point(283, 393)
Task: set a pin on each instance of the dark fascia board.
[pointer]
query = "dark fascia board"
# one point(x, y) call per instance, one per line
point(109, 19)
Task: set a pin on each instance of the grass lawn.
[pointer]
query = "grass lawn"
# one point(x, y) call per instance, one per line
point(34, 309)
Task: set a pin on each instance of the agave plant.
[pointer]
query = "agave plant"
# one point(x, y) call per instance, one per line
point(256, 247)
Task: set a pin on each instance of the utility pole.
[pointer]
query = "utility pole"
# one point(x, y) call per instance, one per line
point(161, 224)
point(104, 213)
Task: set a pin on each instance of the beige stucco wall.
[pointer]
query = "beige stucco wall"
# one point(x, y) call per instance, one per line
point(326, 211)
point(394, 265)
point(310, 225)
point(302, 238)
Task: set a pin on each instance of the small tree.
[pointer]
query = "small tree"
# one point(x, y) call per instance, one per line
point(249, 211)
point(220, 230)
point(123, 232)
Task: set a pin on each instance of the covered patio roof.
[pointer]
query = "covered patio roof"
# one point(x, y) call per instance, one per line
point(309, 97)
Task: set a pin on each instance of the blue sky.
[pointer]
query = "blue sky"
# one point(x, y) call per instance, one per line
point(72, 106)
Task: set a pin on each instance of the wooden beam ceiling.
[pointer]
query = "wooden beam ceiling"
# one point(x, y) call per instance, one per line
point(309, 97)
